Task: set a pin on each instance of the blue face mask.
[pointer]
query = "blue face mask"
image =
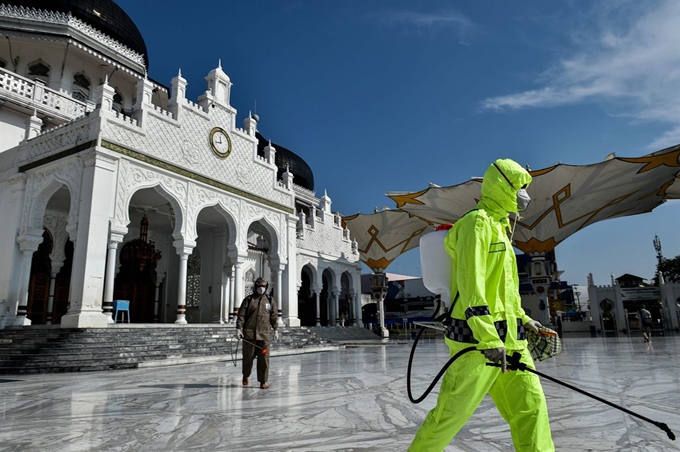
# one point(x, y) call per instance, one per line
point(523, 200)
point(261, 290)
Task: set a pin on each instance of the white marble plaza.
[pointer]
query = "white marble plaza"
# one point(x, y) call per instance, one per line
point(349, 400)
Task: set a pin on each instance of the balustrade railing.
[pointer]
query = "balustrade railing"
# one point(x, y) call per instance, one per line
point(36, 95)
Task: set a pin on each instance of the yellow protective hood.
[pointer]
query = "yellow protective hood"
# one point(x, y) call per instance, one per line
point(502, 181)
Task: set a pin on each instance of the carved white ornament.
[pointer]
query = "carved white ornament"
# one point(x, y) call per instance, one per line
point(40, 187)
point(20, 12)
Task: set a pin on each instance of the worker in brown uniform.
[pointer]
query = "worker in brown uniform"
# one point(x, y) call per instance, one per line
point(256, 316)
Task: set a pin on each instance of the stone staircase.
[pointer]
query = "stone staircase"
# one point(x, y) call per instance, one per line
point(48, 349)
point(346, 335)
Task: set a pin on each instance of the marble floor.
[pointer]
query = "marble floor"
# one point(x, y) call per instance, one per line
point(349, 400)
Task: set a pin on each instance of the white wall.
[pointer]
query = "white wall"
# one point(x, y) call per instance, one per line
point(12, 128)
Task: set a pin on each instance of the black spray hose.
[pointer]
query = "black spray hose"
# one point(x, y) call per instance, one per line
point(441, 372)
point(234, 353)
point(515, 364)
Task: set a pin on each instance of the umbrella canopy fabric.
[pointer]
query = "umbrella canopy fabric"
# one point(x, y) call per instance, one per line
point(384, 236)
point(565, 198)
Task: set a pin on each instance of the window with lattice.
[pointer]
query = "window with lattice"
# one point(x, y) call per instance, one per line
point(249, 282)
point(81, 87)
point(194, 280)
point(39, 68)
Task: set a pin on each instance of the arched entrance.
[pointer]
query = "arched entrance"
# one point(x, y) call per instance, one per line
point(40, 310)
point(136, 280)
point(50, 277)
point(151, 214)
point(326, 298)
point(307, 298)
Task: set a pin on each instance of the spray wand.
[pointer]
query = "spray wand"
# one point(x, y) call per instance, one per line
point(515, 364)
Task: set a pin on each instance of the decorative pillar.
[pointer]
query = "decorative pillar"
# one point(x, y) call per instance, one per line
point(318, 306)
point(336, 306)
point(231, 304)
point(238, 282)
point(379, 289)
point(184, 249)
point(28, 244)
point(156, 298)
point(56, 266)
point(277, 271)
point(33, 126)
point(110, 278)
point(358, 318)
point(540, 276)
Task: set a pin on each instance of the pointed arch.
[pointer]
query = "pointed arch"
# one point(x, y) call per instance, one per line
point(80, 87)
point(178, 213)
point(38, 205)
point(38, 70)
point(268, 226)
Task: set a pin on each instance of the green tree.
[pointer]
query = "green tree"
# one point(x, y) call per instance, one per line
point(670, 269)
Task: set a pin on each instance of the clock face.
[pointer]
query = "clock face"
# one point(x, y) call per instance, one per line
point(220, 142)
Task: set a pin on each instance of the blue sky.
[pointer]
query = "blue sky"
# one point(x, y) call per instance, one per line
point(388, 95)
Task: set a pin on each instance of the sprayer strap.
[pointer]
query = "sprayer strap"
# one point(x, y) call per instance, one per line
point(460, 331)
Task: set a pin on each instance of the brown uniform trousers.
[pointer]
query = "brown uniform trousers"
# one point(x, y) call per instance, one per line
point(256, 317)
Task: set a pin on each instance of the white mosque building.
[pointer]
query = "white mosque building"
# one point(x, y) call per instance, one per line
point(116, 187)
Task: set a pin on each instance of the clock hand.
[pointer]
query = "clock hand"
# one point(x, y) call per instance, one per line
point(219, 139)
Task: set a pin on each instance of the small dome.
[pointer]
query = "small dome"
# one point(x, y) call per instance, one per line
point(302, 173)
point(104, 15)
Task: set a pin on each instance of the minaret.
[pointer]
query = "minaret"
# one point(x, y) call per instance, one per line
point(287, 177)
point(326, 202)
point(179, 93)
point(33, 126)
point(250, 124)
point(270, 153)
point(219, 88)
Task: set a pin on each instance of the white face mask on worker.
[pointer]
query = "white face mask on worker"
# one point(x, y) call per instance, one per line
point(523, 200)
point(261, 290)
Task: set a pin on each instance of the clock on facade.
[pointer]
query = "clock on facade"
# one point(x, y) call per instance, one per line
point(220, 142)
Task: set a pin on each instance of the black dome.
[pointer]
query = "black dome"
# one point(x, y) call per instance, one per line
point(302, 173)
point(109, 18)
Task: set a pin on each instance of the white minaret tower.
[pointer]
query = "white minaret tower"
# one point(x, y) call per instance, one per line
point(219, 87)
point(326, 202)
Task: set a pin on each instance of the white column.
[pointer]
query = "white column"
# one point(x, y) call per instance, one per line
point(290, 277)
point(89, 255)
point(317, 292)
point(670, 304)
point(381, 311)
point(184, 249)
point(56, 266)
point(336, 307)
point(28, 244)
point(357, 301)
point(50, 298)
point(232, 294)
point(226, 298)
point(238, 283)
point(156, 299)
point(114, 240)
point(277, 270)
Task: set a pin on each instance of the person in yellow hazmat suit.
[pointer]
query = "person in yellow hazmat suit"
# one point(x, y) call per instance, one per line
point(488, 314)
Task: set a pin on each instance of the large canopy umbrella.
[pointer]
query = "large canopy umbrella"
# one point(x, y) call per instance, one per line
point(384, 236)
point(565, 199)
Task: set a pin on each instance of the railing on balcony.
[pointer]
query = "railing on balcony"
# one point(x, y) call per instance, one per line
point(36, 95)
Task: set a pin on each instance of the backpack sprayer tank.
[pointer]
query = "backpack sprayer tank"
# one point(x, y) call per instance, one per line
point(436, 264)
